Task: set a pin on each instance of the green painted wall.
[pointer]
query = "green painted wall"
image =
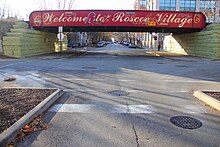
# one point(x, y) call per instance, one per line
point(22, 42)
point(203, 44)
point(5, 26)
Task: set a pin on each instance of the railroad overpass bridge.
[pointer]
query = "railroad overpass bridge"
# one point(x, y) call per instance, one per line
point(118, 21)
point(186, 26)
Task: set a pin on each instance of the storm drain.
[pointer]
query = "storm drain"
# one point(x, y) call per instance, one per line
point(118, 93)
point(182, 66)
point(186, 122)
point(89, 67)
point(160, 63)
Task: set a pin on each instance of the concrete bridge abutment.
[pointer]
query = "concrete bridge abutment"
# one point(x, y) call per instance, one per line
point(23, 42)
point(201, 44)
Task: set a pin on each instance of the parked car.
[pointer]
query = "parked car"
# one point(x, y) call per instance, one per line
point(131, 45)
point(125, 43)
point(100, 44)
point(71, 44)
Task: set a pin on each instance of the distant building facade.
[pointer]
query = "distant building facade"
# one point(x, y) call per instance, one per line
point(77, 39)
point(211, 9)
point(139, 38)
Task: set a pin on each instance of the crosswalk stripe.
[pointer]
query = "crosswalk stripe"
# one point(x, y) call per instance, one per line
point(71, 108)
point(189, 81)
point(90, 90)
point(88, 108)
point(193, 109)
point(132, 109)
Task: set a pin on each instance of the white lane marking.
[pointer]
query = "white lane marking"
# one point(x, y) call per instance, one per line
point(193, 109)
point(126, 80)
point(141, 109)
point(71, 108)
point(133, 91)
point(87, 108)
point(82, 79)
point(89, 90)
point(133, 109)
point(129, 91)
point(189, 81)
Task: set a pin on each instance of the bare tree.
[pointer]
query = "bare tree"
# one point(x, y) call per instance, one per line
point(65, 4)
point(59, 4)
point(3, 9)
point(44, 5)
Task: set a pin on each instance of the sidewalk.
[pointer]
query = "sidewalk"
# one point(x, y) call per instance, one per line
point(56, 55)
point(59, 55)
point(155, 52)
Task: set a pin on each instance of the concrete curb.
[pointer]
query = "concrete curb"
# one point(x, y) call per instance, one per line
point(207, 99)
point(8, 135)
point(63, 56)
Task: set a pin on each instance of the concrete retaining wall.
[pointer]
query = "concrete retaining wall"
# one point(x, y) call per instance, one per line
point(22, 42)
point(171, 45)
point(1, 48)
point(203, 44)
point(5, 26)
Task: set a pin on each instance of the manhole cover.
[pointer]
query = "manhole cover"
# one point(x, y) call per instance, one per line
point(118, 93)
point(186, 122)
point(89, 67)
point(160, 63)
point(182, 66)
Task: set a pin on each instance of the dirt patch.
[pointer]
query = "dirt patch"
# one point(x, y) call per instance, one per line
point(215, 95)
point(15, 103)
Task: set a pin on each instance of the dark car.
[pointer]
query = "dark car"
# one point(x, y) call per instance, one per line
point(71, 44)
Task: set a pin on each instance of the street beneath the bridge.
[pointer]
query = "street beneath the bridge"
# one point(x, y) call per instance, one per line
point(116, 96)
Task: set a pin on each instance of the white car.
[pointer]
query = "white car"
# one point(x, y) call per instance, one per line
point(100, 44)
point(131, 45)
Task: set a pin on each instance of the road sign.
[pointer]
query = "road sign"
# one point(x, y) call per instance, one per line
point(60, 29)
point(60, 36)
point(152, 23)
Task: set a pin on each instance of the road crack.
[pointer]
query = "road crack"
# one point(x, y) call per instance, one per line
point(136, 136)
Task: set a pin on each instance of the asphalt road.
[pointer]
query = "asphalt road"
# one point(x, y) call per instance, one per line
point(116, 96)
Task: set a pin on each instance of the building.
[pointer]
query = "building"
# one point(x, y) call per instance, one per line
point(140, 4)
point(139, 38)
point(211, 9)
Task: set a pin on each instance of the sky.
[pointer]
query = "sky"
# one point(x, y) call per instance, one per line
point(25, 7)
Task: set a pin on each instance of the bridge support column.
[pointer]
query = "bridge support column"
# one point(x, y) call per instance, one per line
point(202, 44)
point(22, 42)
point(1, 47)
